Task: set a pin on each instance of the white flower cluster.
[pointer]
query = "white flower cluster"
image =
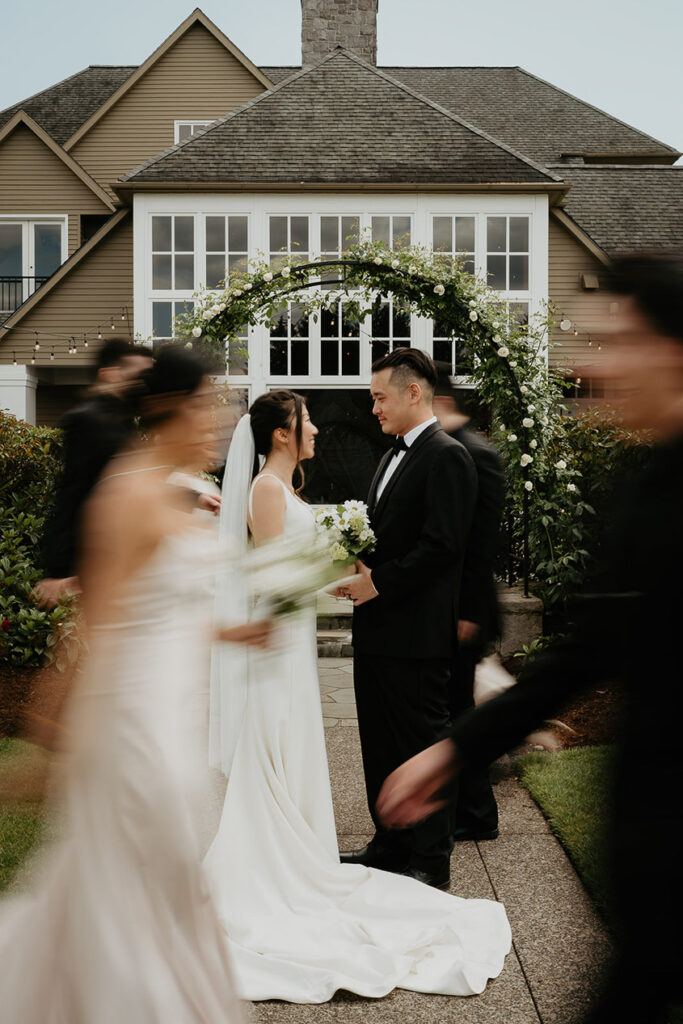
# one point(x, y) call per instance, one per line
point(286, 573)
point(346, 529)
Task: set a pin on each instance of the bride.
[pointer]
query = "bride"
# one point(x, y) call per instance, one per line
point(300, 924)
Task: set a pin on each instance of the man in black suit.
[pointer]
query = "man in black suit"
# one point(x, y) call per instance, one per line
point(94, 432)
point(629, 631)
point(474, 809)
point(406, 602)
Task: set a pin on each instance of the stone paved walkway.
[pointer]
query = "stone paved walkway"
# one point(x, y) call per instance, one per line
point(559, 943)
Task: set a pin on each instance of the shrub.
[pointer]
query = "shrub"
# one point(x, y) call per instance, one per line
point(30, 465)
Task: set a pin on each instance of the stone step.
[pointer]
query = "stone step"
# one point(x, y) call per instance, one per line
point(334, 643)
point(328, 623)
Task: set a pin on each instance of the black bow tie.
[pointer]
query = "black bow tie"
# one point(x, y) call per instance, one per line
point(400, 445)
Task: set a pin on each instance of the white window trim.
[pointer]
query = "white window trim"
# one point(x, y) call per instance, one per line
point(259, 206)
point(177, 125)
point(26, 219)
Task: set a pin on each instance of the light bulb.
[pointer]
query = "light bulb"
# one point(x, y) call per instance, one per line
point(52, 354)
point(14, 359)
point(99, 333)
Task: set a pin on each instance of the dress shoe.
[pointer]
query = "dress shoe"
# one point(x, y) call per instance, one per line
point(467, 835)
point(371, 857)
point(439, 880)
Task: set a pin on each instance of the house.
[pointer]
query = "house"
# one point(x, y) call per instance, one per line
point(124, 189)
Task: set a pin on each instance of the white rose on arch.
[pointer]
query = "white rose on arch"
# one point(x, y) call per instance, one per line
point(473, 315)
point(395, 264)
point(571, 487)
point(473, 304)
point(533, 443)
point(561, 464)
point(526, 460)
point(439, 289)
point(196, 332)
point(267, 276)
point(503, 352)
point(378, 261)
point(512, 437)
point(527, 422)
point(528, 486)
point(285, 271)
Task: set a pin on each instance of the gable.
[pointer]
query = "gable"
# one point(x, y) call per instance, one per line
point(197, 78)
point(34, 181)
point(343, 121)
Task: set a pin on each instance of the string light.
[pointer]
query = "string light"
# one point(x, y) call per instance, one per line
point(37, 343)
point(33, 359)
point(14, 359)
point(112, 323)
point(85, 340)
point(52, 353)
point(123, 312)
point(99, 332)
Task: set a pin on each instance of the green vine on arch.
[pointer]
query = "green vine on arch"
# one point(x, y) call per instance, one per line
point(510, 372)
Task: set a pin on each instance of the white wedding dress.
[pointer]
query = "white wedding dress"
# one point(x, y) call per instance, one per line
point(116, 925)
point(300, 924)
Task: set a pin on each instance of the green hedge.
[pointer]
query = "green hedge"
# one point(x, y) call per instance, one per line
point(30, 465)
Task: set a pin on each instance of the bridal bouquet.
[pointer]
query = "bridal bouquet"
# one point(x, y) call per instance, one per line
point(285, 574)
point(346, 530)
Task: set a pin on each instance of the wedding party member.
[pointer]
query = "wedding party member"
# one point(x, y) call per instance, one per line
point(474, 810)
point(405, 600)
point(630, 632)
point(117, 924)
point(93, 433)
point(301, 925)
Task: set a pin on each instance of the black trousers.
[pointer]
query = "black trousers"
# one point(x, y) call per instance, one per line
point(403, 708)
point(474, 806)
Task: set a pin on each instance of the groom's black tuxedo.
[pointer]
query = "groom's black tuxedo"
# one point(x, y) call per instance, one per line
point(404, 638)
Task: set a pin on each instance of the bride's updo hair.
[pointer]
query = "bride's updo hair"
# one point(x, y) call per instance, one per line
point(277, 410)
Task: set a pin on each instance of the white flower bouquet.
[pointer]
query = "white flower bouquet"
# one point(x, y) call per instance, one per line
point(284, 575)
point(346, 531)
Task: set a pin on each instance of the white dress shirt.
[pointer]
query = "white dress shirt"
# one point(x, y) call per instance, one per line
point(410, 438)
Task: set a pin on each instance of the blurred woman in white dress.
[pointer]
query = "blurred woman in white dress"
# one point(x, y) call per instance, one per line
point(116, 925)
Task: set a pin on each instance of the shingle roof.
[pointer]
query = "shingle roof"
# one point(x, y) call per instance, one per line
point(341, 121)
point(627, 208)
point(528, 114)
point(64, 107)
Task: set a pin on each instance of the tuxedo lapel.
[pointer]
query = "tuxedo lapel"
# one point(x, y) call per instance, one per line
point(400, 469)
point(379, 473)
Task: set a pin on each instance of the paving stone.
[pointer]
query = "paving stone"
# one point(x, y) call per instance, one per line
point(344, 710)
point(347, 696)
point(329, 723)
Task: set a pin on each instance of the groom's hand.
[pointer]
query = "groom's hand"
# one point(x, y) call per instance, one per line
point(361, 589)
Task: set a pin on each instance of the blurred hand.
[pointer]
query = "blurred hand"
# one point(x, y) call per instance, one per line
point(359, 590)
point(209, 503)
point(253, 634)
point(408, 794)
point(49, 592)
point(467, 631)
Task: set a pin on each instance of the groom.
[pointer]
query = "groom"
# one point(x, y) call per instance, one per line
point(406, 603)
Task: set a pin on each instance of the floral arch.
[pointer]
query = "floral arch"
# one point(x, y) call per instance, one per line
point(510, 373)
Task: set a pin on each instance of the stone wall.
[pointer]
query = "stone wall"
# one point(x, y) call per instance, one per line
point(327, 24)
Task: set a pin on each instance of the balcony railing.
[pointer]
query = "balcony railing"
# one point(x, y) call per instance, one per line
point(15, 290)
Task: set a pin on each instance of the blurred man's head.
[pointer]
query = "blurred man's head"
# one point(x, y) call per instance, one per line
point(120, 364)
point(445, 400)
point(402, 389)
point(645, 350)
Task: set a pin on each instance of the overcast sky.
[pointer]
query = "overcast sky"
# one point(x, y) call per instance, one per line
point(620, 55)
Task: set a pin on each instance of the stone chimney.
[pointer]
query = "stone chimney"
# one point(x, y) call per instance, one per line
point(329, 23)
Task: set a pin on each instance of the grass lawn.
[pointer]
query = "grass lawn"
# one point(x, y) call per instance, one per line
point(571, 788)
point(21, 772)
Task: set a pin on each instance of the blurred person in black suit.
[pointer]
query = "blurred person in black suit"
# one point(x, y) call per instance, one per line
point(475, 810)
point(94, 432)
point(630, 631)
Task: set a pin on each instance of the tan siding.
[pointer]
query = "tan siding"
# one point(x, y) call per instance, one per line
point(97, 289)
point(567, 261)
point(33, 180)
point(54, 401)
point(196, 79)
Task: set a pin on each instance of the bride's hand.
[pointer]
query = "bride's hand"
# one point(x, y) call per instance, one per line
point(254, 634)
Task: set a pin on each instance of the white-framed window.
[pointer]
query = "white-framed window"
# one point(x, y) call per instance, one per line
point(337, 234)
point(227, 247)
point(164, 313)
point(290, 342)
point(394, 229)
point(289, 235)
point(31, 250)
point(173, 249)
point(183, 130)
point(455, 237)
point(340, 343)
point(391, 327)
point(507, 253)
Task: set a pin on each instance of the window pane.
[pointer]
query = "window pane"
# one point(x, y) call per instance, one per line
point(184, 234)
point(495, 234)
point(380, 321)
point(238, 358)
point(278, 233)
point(215, 234)
point(329, 357)
point(380, 230)
point(161, 234)
point(443, 351)
point(519, 273)
point(328, 324)
point(238, 264)
point(468, 266)
point(519, 311)
point(184, 132)
point(161, 319)
point(299, 233)
point(11, 250)
point(379, 349)
point(48, 248)
point(299, 320)
point(279, 328)
point(215, 271)
point(238, 234)
point(299, 356)
point(401, 231)
point(350, 231)
point(401, 320)
point(443, 234)
point(278, 356)
point(350, 356)
point(350, 326)
point(463, 359)
point(186, 306)
point(464, 234)
point(329, 234)
point(519, 234)
point(496, 272)
point(161, 272)
point(184, 273)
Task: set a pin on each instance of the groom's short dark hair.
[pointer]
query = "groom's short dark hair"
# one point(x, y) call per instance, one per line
point(406, 364)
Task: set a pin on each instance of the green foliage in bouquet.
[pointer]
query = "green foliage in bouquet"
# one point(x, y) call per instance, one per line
point(30, 465)
point(347, 532)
